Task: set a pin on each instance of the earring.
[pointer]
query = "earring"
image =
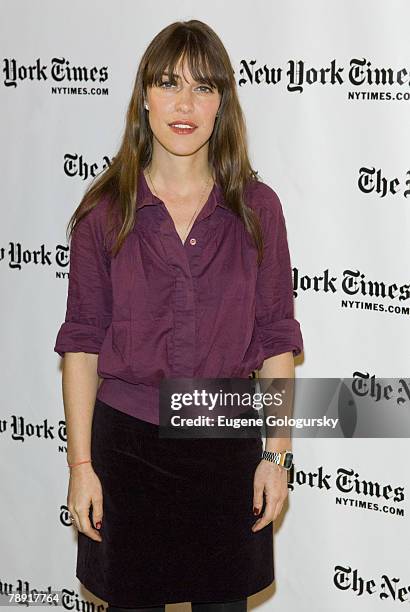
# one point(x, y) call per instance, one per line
point(146, 106)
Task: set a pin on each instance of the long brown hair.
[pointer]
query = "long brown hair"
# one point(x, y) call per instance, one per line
point(208, 63)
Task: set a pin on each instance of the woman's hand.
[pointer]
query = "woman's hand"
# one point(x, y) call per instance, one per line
point(273, 480)
point(85, 489)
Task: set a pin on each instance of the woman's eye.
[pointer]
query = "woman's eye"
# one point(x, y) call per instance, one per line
point(166, 83)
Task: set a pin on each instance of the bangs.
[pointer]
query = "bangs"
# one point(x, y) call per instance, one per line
point(202, 61)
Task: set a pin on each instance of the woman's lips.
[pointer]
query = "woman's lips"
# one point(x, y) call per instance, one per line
point(182, 131)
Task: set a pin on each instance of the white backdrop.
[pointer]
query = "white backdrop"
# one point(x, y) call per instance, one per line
point(329, 137)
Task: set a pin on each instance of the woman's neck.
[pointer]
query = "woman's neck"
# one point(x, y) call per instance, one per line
point(179, 181)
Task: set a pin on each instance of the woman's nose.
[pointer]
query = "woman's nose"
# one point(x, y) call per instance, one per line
point(184, 100)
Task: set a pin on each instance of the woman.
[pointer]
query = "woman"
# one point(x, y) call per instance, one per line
point(179, 267)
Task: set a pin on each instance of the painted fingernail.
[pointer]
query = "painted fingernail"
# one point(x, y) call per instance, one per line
point(98, 525)
point(256, 510)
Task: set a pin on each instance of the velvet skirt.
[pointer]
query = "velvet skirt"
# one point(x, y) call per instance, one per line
point(177, 517)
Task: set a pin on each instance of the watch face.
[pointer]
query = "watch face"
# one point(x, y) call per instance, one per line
point(288, 460)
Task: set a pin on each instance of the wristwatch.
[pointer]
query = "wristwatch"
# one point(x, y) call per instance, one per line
point(284, 459)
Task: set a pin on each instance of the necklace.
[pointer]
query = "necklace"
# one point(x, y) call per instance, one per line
point(193, 216)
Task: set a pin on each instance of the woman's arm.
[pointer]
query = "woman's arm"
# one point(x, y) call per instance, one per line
point(279, 366)
point(80, 337)
point(80, 385)
point(270, 480)
point(281, 340)
point(79, 342)
point(278, 330)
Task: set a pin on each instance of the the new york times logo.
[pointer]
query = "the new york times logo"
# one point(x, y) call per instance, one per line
point(75, 165)
point(346, 481)
point(353, 283)
point(374, 181)
point(60, 69)
point(388, 588)
point(396, 390)
point(299, 74)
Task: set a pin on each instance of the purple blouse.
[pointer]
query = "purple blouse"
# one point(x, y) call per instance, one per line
point(163, 308)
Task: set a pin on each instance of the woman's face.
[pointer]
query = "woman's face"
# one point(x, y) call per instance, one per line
point(185, 101)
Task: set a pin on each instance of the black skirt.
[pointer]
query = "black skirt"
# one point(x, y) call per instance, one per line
point(177, 517)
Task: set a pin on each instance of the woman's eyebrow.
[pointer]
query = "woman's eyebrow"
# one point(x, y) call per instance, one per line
point(177, 76)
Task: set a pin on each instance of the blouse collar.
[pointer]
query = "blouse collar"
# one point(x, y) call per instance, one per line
point(146, 197)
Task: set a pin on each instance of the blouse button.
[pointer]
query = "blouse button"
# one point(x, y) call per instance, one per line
point(192, 241)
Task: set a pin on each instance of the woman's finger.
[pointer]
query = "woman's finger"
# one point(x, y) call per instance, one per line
point(74, 519)
point(257, 495)
point(267, 515)
point(97, 511)
point(85, 525)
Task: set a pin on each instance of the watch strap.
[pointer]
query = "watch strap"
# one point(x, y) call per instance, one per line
point(284, 459)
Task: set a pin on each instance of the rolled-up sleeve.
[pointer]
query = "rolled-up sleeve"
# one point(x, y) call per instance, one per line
point(278, 330)
point(89, 296)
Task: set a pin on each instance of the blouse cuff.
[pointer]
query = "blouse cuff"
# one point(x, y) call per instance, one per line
point(281, 337)
point(79, 338)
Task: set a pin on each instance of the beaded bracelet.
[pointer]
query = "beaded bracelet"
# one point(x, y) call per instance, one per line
point(79, 463)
